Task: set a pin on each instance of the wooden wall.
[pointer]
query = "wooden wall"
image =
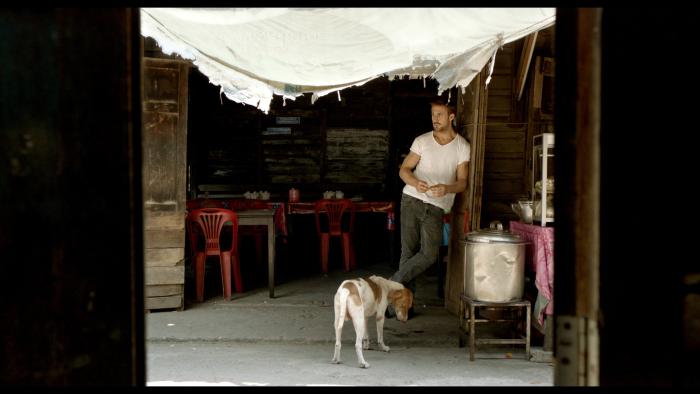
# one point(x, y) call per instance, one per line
point(500, 129)
point(354, 143)
point(164, 153)
point(511, 124)
point(506, 131)
point(329, 145)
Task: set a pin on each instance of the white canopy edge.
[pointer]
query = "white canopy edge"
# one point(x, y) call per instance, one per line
point(253, 54)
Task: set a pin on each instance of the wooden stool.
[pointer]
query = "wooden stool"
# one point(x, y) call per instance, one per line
point(468, 320)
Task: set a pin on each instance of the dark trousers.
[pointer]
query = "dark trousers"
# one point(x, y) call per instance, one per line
point(421, 236)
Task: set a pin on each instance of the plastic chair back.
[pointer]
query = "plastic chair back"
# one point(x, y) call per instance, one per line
point(209, 222)
point(334, 210)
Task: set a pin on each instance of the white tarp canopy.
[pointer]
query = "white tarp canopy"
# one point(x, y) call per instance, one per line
point(253, 53)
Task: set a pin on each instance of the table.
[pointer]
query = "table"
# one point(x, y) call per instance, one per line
point(387, 207)
point(264, 217)
point(307, 207)
point(541, 260)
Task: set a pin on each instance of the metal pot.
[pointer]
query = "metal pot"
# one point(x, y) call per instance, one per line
point(494, 266)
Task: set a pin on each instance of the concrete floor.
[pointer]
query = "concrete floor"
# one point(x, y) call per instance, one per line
point(288, 341)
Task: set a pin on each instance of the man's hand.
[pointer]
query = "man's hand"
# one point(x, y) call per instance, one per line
point(438, 190)
point(422, 186)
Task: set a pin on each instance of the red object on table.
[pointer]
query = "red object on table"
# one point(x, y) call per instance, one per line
point(209, 222)
point(334, 210)
point(541, 260)
point(360, 206)
point(293, 195)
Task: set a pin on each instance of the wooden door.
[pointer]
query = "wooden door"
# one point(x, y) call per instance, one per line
point(164, 164)
point(471, 119)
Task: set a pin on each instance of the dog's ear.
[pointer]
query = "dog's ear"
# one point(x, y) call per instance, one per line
point(394, 295)
point(409, 296)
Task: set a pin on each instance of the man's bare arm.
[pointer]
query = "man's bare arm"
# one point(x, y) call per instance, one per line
point(406, 172)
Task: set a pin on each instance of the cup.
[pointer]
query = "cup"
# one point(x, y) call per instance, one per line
point(293, 195)
point(339, 194)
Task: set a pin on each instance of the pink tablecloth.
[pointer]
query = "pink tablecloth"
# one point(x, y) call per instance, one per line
point(541, 261)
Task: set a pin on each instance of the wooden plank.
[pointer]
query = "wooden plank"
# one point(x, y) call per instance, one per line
point(537, 83)
point(171, 302)
point(356, 155)
point(164, 275)
point(164, 256)
point(510, 176)
point(180, 185)
point(511, 145)
point(164, 290)
point(500, 166)
point(161, 84)
point(499, 108)
point(512, 134)
point(156, 106)
point(499, 85)
point(160, 156)
point(504, 155)
point(504, 59)
point(209, 187)
point(295, 178)
point(163, 62)
point(524, 65)
point(162, 207)
point(164, 238)
point(164, 220)
point(492, 186)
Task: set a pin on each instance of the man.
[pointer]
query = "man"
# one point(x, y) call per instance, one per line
point(434, 171)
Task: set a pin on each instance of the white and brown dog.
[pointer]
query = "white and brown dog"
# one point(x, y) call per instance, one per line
point(359, 299)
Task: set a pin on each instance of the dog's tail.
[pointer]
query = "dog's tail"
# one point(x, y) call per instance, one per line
point(341, 306)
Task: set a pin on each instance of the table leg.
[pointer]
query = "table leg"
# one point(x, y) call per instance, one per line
point(527, 333)
point(271, 257)
point(548, 333)
point(472, 333)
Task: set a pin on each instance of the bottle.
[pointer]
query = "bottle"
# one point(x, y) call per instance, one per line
point(390, 221)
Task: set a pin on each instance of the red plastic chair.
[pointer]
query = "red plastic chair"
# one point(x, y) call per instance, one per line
point(209, 222)
point(258, 232)
point(334, 209)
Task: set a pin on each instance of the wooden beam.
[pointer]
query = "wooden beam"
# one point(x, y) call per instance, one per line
point(524, 65)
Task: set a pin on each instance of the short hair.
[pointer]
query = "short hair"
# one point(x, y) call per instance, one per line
point(439, 103)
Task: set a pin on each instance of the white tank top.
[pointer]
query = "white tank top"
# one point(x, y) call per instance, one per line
point(438, 164)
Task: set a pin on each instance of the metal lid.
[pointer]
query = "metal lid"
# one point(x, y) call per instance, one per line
point(495, 233)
